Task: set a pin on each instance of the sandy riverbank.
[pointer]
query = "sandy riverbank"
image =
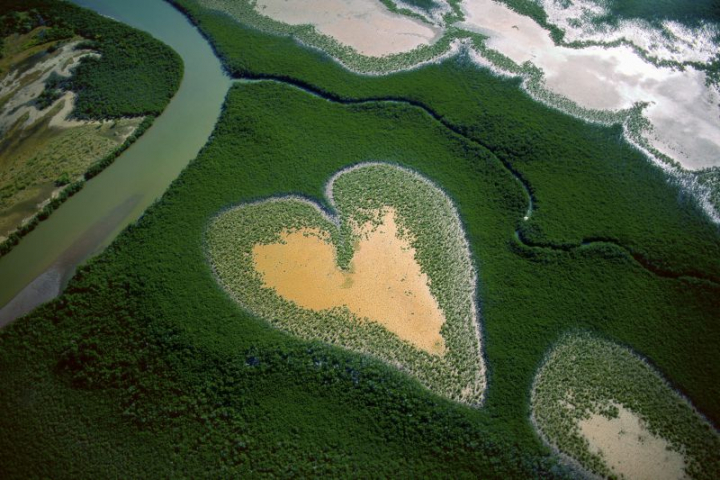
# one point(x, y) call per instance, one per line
point(43, 148)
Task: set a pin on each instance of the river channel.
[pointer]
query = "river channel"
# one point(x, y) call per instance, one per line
point(39, 267)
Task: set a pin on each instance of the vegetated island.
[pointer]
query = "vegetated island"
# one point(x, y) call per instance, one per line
point(76, 89)
point(609, 410)
point(389, 275)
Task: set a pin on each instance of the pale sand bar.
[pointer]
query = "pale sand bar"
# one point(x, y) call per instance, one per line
point(365, 25)
point(683, 111)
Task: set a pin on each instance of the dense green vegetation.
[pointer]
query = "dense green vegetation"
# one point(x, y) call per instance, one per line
point(586, 181)
point(47, 98)
point(135, 75)
point(692, 13)
point(17, 21)
point(145, 339)
point(584, 375)
point(157, 371)
point(396, 7)
point(422, 4)
point(533, 10)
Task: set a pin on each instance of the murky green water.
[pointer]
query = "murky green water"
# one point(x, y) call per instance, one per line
point(36, 270)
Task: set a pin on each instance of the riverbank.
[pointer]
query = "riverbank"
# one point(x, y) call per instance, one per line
point(142, 172)
point(66, 112)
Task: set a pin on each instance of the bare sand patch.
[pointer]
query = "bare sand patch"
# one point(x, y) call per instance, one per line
point(683, 110)
point(630, 449)
point(24, 86)
point(384, 283)
point(62, 118)
point(365, 25)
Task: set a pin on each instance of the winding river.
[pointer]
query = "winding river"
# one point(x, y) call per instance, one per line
point(38, 268)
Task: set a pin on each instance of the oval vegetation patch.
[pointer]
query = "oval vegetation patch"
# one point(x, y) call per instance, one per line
point(609, 410)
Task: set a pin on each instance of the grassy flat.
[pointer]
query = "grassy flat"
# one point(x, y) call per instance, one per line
point(76, 89)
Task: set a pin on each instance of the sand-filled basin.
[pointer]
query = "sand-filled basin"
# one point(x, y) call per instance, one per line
point(609, 410)
point(630, 449)
point(683, 111)
point(365, 25)
point(384, 283)
point(386, 272)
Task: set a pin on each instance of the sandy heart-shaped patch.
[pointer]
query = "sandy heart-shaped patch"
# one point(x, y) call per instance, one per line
point(388, 275)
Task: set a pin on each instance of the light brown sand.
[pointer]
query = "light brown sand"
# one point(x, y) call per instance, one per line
point(384, 284)
point(629, 449)
point(365, 25)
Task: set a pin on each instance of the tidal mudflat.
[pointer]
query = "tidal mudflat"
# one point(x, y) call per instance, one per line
point(651, 78)
point(629, 449)
point(366, 26)
point(682, 107)
point(42, 148)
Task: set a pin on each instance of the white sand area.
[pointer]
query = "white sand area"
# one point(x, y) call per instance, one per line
point(630, 450)
point(21, 104)
point(365, 25)
point(585, 20)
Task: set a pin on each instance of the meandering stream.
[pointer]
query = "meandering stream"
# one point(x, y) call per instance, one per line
point(38, 268)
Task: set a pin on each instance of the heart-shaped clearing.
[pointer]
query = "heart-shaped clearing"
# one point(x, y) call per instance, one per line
point(383, 284)
point(390, 276)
